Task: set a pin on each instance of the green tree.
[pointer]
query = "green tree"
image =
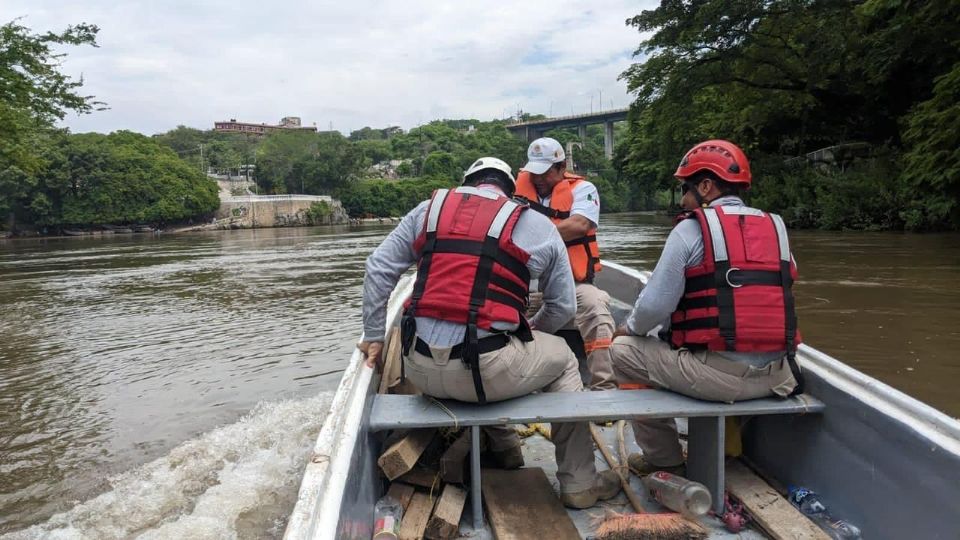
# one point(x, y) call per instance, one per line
point(119, 178)
point(279, 155)
point(33, 95)
point(932, 163)
point(442, 165)
point(784, 78)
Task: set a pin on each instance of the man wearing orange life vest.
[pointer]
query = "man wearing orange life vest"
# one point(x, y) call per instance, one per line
point(573, 204)
point(721, 292)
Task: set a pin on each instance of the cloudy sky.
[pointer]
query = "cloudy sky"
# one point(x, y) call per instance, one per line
point(349, 63)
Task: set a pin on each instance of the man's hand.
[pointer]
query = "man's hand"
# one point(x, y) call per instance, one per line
point(374, 353)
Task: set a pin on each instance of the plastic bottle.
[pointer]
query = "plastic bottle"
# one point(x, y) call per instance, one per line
point(386, 519)
point(690, 498)
point(810, 504)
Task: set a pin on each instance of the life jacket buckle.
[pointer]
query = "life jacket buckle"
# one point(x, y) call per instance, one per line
point(727, 277)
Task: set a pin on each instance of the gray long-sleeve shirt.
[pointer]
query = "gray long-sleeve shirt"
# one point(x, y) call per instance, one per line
point(533, 233)
point(683, 249)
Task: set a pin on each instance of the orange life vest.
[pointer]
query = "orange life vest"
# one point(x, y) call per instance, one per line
point(583, 252)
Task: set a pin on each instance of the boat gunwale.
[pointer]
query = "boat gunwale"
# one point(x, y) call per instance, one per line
point(317, 511)
point(932, 424)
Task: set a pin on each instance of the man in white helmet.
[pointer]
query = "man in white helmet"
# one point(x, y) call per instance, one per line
point(464, 332)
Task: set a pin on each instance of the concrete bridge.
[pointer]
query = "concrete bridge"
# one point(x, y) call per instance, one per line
point(535, 129)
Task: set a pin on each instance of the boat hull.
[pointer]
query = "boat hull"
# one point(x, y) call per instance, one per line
point(881, 459)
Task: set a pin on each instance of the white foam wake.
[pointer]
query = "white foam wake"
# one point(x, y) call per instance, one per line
point(237, 481)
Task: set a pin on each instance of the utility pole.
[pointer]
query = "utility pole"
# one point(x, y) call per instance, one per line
point(591, 102)
point(601, 99)
point(202, 171)
point(570, 147)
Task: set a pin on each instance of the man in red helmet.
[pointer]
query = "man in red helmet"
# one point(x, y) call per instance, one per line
point(721, 299)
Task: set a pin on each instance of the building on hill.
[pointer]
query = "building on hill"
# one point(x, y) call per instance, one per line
point(287, 122)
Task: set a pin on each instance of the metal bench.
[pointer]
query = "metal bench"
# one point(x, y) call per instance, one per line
point(705, 459)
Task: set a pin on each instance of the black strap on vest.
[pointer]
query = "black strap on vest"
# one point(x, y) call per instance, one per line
point(727, 318)
point(484, 345)
point(702, 323)
point(790, 320)
point(478, 295)
point(592, 261)
point(551, 213)
point(737, 277)
point(470, 247)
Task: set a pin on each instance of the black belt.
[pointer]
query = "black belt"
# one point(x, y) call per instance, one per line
point(484, 345)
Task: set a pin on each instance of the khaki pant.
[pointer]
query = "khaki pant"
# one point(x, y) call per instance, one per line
point(701, 374)
point(517, 369)
point(596, 326)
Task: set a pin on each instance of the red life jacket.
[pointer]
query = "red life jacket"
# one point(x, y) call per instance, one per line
point(739, 298)
point(470, 271)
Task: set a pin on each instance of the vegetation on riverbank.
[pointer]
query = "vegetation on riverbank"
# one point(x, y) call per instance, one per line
point(786, 78)
point(51, 178)
point(879, 78)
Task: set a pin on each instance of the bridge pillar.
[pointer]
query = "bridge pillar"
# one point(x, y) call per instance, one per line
point(531, 133)
point(582, 132)
point(608, 139)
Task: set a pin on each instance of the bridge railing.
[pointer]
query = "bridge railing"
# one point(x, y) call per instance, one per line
point(573, 118)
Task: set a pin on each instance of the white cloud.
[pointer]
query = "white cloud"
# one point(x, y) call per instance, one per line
point(357, 63)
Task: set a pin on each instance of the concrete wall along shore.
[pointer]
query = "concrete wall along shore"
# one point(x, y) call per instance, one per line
point(253, 211)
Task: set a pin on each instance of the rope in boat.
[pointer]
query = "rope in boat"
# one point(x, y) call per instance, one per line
point(456, 421)
point(531, 429)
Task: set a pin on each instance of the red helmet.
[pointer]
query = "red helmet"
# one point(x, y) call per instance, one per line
point(722, 158)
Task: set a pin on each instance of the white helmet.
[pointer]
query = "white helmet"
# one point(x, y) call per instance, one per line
point(490, 163)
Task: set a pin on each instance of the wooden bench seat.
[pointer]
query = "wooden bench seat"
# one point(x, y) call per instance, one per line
point(705, 459)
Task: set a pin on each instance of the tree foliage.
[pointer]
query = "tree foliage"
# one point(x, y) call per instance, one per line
point(119, 178)
point(786, 77)
point(33, 95)
point(381, 198)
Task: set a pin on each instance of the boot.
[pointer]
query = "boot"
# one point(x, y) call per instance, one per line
point(642, 467)
point(606, 486)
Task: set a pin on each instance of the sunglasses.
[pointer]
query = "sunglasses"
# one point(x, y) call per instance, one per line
point(686, 187)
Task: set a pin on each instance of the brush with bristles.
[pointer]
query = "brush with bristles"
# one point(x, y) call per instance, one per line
point(641, 525)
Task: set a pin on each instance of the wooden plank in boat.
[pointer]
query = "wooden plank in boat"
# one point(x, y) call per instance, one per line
point(774, 514)
point(402, 493)
point(423, 477)
point(396, 411)
point(446, 515)
point(391, 362)
point(522, 504)
point(452, 462)
point(403, 455)
point(415, 518)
